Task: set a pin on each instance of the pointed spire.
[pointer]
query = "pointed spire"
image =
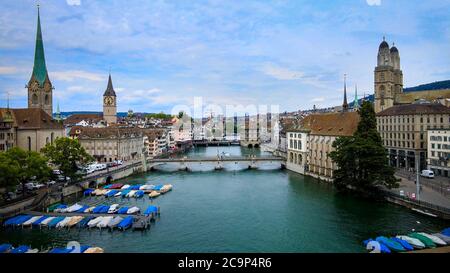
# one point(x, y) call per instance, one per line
point(7, 100)
point(345, 104)
point(39, 68)
point(356, 102)
point(110, 89)
point(58, 113)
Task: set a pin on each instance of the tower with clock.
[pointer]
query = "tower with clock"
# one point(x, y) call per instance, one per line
point(40, 88)
point(110, 103)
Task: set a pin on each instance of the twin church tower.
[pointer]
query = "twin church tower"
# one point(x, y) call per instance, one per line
point(40, 88)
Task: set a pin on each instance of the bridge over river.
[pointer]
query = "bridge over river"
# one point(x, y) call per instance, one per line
point(251, 161)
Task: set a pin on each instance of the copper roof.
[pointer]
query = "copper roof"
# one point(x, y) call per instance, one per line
point(414, 109)
point(32, 118)
point(331, 124)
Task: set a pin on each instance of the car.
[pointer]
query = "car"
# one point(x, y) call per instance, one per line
point(57, 172)
point(50, 183)
point(427, 173)
point(119, 162)
point(33, 186)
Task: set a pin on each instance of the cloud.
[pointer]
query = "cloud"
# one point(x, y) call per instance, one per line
point(71, 75)
point(73, 2)
point(7, 70)
point(281, 73)
point(319, 99)
point(373, 2)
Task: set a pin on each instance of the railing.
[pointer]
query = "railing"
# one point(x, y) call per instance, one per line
point(437, 185)
point(420, 203)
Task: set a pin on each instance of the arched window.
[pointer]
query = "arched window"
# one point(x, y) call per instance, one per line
point(34, 99)
point(47, 140)
point(47, 100)
point(300, 159)
point(52, 137)
point(299, 144)
point(382, 94)
point(29, 143)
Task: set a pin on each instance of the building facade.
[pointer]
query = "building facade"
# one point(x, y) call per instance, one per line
point(110, 144)
point(404, 130)
point(438, 159)
point(297, 146)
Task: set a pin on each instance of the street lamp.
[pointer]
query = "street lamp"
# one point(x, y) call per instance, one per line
point(417, 176)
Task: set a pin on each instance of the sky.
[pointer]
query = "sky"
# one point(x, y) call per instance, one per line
point(164, 53)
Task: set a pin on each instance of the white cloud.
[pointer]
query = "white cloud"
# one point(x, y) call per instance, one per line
point(281, 73)
point(319, 99)
point(71, 75)
point(373, 2)
point(73, 2)
point(7, 70)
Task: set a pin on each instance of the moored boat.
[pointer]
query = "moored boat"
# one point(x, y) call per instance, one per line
point(94, 222)
point(126, 223)
point(123, 210)
point(154, 194)
point(124, 187)
point(393, 245)
point(31, 221)
point(151, 210)
point(39, 221)
point(115, 222)
point(138, 194)
point(64, 222)
point(133, 210)
point(443, 237)
point(383, 248)
point(416, 243)
point(84, 222)
point(47, 221)
point(131, 193)
point(113, 209)
point(20, 249)
point(105, 221)
point(75, 220)
point(5, 248)
point(92, 250)
point(407, 246)
point(424, 239)
point(435, 239)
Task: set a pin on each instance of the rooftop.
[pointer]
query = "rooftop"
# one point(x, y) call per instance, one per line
point(414, 109)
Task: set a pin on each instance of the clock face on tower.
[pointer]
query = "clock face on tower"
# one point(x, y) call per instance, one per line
point(108, 101)
point(34, 86)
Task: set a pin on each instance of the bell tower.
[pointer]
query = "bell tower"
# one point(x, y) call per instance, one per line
point(388, 77)
point(110, 103)
point(40, 88)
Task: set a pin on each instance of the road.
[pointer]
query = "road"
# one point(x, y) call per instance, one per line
point(427, 194)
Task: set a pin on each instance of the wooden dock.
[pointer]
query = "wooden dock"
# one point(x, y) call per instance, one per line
point(58, 214)
point(442, 249)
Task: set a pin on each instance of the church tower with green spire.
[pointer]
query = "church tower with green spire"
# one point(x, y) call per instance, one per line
point(40, 89)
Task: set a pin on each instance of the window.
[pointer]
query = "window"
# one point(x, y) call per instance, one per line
point(34, 99)
point(29, 143)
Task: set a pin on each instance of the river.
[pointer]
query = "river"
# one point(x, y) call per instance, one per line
point(240, 210)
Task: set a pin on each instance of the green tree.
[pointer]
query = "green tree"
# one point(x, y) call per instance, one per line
point(19, 167)
point(68, 155)
point(361, 159)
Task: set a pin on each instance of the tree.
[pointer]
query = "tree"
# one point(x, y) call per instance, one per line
point(361, 159)
point(19, 167)
point(68, 155)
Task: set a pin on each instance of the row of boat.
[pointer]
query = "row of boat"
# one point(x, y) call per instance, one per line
point(8, 248)
point(412, 241)
point(112, 222)
point(136, 191)
point(100, 209)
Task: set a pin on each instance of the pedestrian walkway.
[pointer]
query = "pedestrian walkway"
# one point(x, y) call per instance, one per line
point(428, 195)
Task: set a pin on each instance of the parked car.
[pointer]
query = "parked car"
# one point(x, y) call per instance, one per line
point(50, 183)
point(119, 162)
point(33, 186)
point(57, 172)
point(427, 173)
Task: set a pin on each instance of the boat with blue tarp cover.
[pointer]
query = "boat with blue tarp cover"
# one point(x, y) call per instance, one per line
point(104, 209)
point(88, 192)
point(404, 243)
point(5, 248)
point(446, 232)
point(393, 245)
point(38, 222)
point(20, 249)
point(111, 193)
point(125, 192)
point(150, 210)
point(383, 248)
point(135, 187)
point(139, 194)
point(158, 187)
point(61, 250)
point(22, 220)
point(123, 210)
point(55, 221)
point(85, 221)
point(126, 223)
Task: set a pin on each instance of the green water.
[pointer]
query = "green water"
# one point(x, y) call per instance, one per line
point(239, 210)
